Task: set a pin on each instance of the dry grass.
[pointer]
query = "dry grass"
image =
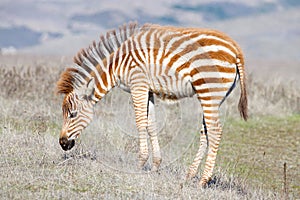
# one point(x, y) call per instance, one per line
point(277, 97)
point(104, 161)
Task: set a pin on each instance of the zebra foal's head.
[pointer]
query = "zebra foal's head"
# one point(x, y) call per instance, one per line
point(78, 111)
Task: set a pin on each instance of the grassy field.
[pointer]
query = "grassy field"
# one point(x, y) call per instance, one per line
point(103, 164)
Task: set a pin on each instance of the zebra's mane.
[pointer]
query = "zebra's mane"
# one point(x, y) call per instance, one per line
point(94, 54)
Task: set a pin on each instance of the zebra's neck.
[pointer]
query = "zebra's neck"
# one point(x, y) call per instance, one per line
point(98, 61)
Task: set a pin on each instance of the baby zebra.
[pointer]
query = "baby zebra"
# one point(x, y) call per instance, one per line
point(169, 62)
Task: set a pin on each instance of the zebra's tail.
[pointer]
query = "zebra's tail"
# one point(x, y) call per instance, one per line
point(243, 102)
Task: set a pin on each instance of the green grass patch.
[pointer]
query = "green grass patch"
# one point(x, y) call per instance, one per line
point(258, 148)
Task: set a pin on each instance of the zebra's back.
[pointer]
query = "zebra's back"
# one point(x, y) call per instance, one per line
point(179, 62)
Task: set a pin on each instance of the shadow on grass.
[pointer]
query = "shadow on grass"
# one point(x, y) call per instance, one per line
point(222, 182)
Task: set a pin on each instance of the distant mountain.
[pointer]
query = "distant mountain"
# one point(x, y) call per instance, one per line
point(18, 37)
point(21, 36)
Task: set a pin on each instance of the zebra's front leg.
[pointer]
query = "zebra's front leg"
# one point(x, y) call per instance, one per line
point(152, 131)
point(140, 102)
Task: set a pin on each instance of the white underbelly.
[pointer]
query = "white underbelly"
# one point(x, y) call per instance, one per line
point(167, 88)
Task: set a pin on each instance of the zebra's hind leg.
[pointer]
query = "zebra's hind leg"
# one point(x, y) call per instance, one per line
point(140, 100)
point(199, 156)
point(214, 133)
point(152, 131)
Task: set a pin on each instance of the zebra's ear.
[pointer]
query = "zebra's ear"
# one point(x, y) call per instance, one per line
point(86, 91)
point(90, 88)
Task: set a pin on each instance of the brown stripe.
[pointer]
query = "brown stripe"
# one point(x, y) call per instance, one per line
point(155, 67)
point(208, 42)
point(98, 68)
point(172, 61)
point(212, 80)
point(147, 41)
point(97, 82)
point(136, 52)
point(210, 111)
point(208, 90)
point(116, 59)
point(187, 49)
point(209, 68)
point(209, 105)
point(110, 74)
point(156, 45)
point(177, 43)
point(215, 150)
point(118, 67)
point(222, 55)
point(219, 55)
point(211, 98)
point(97, 96)
point(211, 118)
point(120, 58)
point(155, 50)
point(122, 66)
point(104, 79)
point(183, 66)
point(102, 91)
point(140, 47)
point(212, 68)
point(166, 41)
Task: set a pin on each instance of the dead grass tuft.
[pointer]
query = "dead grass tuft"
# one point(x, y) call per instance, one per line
point(267, 97)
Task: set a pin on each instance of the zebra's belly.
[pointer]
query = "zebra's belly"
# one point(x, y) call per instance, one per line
point(166, 88)
point(170, 89)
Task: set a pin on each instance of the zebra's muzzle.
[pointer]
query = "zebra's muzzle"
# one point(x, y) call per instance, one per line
point(66, 144)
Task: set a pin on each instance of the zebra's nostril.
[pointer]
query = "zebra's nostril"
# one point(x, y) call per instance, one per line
point(71, 144)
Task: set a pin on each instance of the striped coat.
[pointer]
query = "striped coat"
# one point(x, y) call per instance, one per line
point(153, 60)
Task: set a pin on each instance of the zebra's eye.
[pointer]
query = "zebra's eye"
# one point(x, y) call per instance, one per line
point(72, 114)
